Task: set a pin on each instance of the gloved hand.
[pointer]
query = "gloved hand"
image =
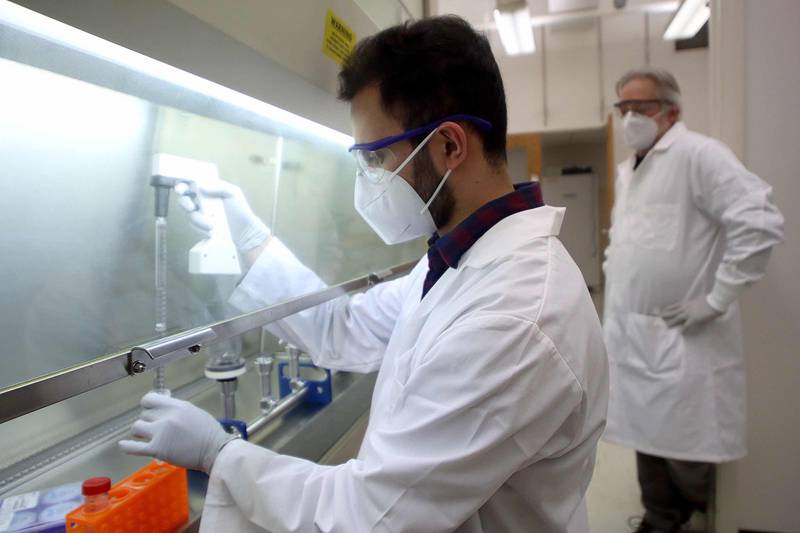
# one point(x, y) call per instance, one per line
point(690, 314)
point(247, 230)
point(176, 432)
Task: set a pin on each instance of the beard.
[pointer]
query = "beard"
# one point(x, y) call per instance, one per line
point(426, 179)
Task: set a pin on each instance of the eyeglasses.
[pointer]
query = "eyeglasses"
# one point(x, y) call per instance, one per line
point(377, 161)
point(375, 165)
point(641, 107)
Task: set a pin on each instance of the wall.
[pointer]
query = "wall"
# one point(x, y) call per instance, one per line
point(767, 479)
point(727, 87)
point(524, 84)
point(572, 68)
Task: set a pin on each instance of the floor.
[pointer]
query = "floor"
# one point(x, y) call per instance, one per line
point(613, 495)
point(614, 492)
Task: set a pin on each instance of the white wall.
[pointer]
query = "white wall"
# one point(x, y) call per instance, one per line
point(524, 83)
point(768, 478)
point(573, 63)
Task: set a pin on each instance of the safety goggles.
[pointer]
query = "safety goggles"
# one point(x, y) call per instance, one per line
point(641, 107)
point(375, 159)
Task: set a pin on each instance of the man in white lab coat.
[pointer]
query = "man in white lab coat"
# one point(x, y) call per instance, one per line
point(691, 228)
point(492, 377)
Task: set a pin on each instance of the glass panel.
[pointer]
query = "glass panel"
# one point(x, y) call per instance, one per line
point(77, 133)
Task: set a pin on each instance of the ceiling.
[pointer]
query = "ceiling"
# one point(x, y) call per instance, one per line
point(479, 12)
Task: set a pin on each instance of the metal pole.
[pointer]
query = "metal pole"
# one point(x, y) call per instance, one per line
point(23, 398)
point(282, 407)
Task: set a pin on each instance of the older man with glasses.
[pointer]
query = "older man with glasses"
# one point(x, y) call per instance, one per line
point(691, 229)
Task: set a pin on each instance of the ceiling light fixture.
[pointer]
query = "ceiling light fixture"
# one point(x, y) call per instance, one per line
point(687, 20)
point(513, 22)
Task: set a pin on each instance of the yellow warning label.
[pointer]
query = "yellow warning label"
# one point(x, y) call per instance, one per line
point(339, 39)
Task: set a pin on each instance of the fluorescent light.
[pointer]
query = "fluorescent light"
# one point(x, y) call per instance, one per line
point(34, 23)
point(516, 33)
point(688, 20)
point(522, 23)
point(508, 35)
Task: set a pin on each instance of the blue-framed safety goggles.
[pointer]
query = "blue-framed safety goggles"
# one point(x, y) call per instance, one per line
point(375, 160)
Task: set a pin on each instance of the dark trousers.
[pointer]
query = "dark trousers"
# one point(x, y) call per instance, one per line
point(672, 489)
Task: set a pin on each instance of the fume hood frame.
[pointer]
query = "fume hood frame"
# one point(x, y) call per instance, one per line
point(26, 397)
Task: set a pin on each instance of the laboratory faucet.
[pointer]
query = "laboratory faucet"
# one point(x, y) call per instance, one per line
point(264, 366)
point(229, 387)
point(295, 381)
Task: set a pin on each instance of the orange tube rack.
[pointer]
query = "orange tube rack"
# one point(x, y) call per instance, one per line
point(154, 499)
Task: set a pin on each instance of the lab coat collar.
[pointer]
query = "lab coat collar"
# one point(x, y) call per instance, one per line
point(512, 232)
point(671, 135)
point(452, 246)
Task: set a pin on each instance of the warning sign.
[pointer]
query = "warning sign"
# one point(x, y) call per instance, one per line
point(339, 39)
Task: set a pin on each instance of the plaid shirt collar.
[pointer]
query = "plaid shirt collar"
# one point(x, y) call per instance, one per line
point(451, 247)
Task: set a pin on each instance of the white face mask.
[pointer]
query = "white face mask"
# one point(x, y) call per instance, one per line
point(392, 208)
point(639, 131)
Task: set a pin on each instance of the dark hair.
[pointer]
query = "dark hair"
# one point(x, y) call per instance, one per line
point(429, 69)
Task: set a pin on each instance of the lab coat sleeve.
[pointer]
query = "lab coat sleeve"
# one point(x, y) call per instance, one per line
point(742, 203)
point(347, 333)
point(489, 398)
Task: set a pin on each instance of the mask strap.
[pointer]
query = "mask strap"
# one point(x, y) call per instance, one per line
point(438, 188)
point(414, 152)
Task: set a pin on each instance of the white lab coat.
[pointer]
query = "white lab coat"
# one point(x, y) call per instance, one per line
point(688, 215)
point(490, 398)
